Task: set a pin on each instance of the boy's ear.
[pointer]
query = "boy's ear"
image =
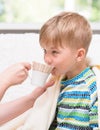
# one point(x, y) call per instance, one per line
point(80, 54)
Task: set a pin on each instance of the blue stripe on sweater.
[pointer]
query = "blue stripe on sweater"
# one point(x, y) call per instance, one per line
point(83, 119)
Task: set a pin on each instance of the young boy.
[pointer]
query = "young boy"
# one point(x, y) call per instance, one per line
point(65, 39)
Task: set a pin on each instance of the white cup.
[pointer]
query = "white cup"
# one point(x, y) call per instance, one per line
point(40, 73)
point(39, 78)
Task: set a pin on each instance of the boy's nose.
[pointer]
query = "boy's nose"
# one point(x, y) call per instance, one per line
point(48, 60)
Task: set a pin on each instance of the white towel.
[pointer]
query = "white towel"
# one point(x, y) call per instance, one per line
point(40, 116)
point(43, 111)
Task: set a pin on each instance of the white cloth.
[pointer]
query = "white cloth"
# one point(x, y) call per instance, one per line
point(40, 116)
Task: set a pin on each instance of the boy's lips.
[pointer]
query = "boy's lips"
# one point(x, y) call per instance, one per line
point(53, 70)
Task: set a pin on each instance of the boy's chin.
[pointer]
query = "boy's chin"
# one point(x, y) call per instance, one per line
point(55, 73)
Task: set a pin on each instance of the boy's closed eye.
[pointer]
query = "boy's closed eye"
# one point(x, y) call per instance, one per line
point(54, 52)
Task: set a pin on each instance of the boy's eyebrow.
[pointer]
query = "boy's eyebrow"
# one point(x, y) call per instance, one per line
point(54, 47)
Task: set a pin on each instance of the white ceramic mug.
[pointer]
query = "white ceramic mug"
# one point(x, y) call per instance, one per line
point(39, 78)
point(40, 73)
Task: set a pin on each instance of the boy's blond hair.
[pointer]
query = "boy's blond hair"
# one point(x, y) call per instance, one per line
point(66, 28)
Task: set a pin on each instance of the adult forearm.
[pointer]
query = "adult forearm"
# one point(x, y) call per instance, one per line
point(10, 110)
point(3, 88)
point(2, 92)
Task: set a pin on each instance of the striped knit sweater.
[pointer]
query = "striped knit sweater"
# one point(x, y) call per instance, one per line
point(77, 103)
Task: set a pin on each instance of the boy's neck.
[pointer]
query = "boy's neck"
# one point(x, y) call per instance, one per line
point(77, 70)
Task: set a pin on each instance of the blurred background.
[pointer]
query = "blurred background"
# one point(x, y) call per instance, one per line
point(38, 11)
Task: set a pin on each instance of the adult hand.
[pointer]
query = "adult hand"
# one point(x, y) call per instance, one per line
point(40, 90)
point(15, 74)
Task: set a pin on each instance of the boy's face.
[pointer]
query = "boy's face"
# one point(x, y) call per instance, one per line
point(63, 59)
